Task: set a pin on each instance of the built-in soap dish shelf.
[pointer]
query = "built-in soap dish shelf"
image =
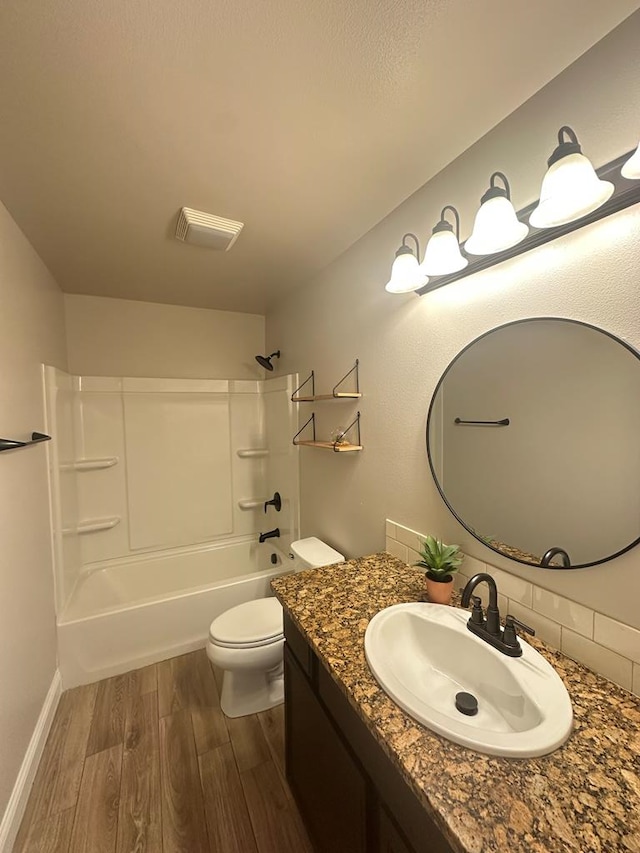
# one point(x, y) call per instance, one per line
point(90, 464)
point(252, 503)
point(253, 453)
point(93, 525)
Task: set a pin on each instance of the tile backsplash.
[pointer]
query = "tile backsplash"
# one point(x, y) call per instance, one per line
point(606, 646)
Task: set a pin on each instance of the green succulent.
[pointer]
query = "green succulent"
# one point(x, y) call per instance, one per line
point(438, 559)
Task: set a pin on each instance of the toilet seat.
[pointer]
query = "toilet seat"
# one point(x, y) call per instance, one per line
point(248, 626)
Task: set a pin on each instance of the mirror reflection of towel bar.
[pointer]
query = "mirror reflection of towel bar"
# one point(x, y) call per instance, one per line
point(503, 422)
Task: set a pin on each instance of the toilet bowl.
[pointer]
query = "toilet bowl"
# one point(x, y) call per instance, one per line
point(247, 641)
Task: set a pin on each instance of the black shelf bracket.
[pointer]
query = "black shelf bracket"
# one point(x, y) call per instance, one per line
point(354, 423)
point(355, 370)
point(312, 421)
point(310, 378)
point(11, 444)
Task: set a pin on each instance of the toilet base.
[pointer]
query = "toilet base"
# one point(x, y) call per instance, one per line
point(247, 692)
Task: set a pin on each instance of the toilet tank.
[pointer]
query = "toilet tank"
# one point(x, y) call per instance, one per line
point(310, 553)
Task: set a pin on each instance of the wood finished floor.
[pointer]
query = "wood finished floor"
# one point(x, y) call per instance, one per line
point(147, 763)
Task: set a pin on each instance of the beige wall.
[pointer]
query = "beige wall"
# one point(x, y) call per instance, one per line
point(405, 342)
point(31, 332)
point(118, 337)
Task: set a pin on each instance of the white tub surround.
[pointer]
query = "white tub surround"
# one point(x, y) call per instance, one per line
point(149, 480)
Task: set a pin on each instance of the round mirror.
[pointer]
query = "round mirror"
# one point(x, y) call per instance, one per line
point(533, 438)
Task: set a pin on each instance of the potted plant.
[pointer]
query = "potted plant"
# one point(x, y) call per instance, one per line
point(441, 562)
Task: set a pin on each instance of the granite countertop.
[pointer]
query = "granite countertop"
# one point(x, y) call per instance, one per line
point(583, 798)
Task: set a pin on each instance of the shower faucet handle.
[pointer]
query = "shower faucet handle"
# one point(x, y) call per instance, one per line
point(276, 502)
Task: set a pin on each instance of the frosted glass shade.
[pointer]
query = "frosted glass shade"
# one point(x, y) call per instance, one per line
point(631, 168)
point(406, 275)
point(442, 255)
point(496, 228)
point(570, 189)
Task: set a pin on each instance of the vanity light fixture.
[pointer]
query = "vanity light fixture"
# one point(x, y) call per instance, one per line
point(496, 225)
point(571, 188)
point(631, 169)
point(573, 195)
point(442, 255)
point(406, 275)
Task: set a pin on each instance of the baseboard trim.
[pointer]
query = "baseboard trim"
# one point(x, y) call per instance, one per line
point(19, 796)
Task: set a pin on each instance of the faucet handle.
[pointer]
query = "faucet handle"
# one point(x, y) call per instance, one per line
point(509, 636)
point(511, 620)
point(477, 614)
point(276, 502)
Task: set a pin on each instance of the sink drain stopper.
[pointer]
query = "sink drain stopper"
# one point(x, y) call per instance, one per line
point(467, 704)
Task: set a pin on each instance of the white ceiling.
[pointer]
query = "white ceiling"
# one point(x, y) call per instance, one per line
point(308, 120)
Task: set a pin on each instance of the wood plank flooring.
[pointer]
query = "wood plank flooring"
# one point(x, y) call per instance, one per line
point(147, 763)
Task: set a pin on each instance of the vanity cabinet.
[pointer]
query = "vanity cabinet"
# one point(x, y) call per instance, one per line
point(329, 788)
point(350, 795)
point(390, 840)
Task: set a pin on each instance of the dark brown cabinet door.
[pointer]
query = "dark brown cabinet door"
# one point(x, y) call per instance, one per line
point(351, 797)
point(329, 788)
point(389, 839)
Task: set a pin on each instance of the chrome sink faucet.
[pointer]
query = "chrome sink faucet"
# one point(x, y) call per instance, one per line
point(489, 630)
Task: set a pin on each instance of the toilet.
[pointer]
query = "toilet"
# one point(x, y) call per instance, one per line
point(247, 641)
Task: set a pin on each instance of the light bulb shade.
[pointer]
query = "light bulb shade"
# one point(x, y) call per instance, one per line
point(406, 274)
point(570, 189)
point(442, 255)
point(631, 169)
point(496, 227)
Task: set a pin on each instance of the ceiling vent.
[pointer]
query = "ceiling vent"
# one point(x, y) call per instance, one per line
point(203, 229)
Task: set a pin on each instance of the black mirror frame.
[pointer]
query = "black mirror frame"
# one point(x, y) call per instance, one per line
point(613, 337)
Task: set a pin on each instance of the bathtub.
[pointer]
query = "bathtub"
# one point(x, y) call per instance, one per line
point(128, 613)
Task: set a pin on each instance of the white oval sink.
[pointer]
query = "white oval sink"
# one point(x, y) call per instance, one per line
point(423, 655)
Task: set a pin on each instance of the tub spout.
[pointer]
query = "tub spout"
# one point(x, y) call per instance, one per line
point(270, 534)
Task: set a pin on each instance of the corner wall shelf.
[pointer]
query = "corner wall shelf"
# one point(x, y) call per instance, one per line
point(335, 394)
point(338, 446)
point(93, 526)
point(12, 444)
point(90, 464)
point(252, 503)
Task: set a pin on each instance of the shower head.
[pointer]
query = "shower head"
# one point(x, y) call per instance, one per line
point(265, 360)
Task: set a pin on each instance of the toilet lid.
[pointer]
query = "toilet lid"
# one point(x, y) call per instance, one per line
point(254, 623)
point(315, 553)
